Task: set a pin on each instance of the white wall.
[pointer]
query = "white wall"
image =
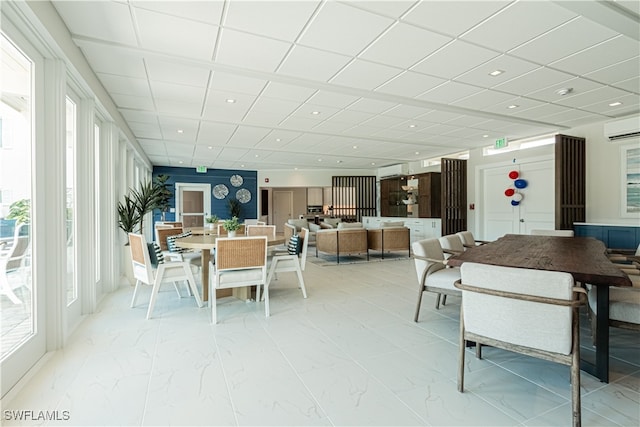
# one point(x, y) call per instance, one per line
point(306, 178)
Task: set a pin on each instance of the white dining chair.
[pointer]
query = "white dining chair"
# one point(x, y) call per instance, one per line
point(239, 262)
point(293, 261)
point(532, 312)
point(145, 273)
point(451, 245)
point(469, 241)
point(13, 260)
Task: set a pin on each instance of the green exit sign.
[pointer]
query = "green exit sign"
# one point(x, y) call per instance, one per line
point(501, 143)
point(201, 169)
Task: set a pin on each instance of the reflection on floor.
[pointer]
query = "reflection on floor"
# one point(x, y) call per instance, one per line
point(350, 354)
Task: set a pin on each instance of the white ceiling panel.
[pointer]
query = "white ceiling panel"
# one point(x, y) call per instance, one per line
point(410, 84)
point(172, 65)
point(313, 64)
point(518, 23)
point(175, 35)
point(101, 20)
point(455, 17)
point(561, 41)
point(333, 29)
point(385, 49)
point(286, 18)
point(246, 50)
point(365, 75)
point(454, 59)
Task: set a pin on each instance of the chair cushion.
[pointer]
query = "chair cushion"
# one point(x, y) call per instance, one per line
point(293, 248)
point(239, 276)
point(155, 254)
point(444, 278)
point(624, 304)
point(171, 242)
point(349, 225)
point(298, 223)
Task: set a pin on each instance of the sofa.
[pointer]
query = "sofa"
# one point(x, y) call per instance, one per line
point(342, 241)
point(388, 239)
point(294, 226)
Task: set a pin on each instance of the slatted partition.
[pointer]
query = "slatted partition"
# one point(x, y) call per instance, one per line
point(570, 181)
point(353, 197)
point(454, 195)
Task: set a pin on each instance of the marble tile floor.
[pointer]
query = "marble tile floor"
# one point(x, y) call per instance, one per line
point(349, 355)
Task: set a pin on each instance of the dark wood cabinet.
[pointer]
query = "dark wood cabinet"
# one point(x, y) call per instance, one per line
point(391, 196)
point(429, 195)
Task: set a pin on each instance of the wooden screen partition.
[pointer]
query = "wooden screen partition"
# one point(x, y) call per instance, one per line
point(454, 195)
point(570, 181)
point(353, 197)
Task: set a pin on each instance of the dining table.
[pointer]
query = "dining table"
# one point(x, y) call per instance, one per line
point(584, 258)
point(205, 243)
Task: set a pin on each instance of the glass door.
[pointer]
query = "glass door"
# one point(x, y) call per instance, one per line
point(193, 203)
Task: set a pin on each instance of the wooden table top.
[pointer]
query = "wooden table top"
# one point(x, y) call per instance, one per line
point(583, 257)
point(208, 241)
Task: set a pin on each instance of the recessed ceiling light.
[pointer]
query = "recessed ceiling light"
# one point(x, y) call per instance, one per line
point(230, 101)
point(565, 90)
point(615, 104)
point(241, 166)
point(511, 107)
point(417, 152)
point(496, 73)
point(315, 113)
point(180, 162)
point(319, 160)
point(256, 155)
point(373, 164)
point(338, 161)
point(180, 131)
point(210, 147)
point(355, 147)
point(485, 136)
point(412, 126)
point(278, 139)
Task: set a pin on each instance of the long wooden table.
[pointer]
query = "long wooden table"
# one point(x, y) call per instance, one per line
point(205, 243)
point(583, 257)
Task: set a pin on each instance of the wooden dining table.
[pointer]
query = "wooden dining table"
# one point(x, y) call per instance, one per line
point(583, 257)
point(205, 243)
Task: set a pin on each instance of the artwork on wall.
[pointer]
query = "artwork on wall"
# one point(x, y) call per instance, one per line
point(630, 180)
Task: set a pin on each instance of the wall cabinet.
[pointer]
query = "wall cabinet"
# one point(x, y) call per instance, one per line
point(391, 196)
point(314, 196)
point(429, 195)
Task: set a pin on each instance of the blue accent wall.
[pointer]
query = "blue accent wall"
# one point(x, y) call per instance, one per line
point(213, 177)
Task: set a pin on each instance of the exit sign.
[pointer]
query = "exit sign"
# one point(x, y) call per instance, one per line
point(500, 143)
point(201, 169)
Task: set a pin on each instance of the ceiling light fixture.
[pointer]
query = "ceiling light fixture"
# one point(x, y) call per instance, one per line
point(338, 161)
point(256, 155)
point(319, 160)
point(412, 126)
point(230, 101)
point(511, 107)
point(355, 147)
point(417, 152)
point(373, 164)
point(180, 131)
point(210, 147)
point(615, 104)
point(315, 113)
point(563, 91)
point(495, 73)
point(485, 136)
point(181, 162)
point(278, 140)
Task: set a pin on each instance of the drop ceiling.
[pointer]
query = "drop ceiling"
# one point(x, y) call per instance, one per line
point(354, 84)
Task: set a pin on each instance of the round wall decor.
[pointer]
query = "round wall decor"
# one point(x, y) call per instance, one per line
point(220, 191)
point(236, 180)
point(243, 195)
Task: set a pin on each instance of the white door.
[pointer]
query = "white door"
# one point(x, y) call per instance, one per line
point(536, 210)
point(193, 203)
point(282, 208)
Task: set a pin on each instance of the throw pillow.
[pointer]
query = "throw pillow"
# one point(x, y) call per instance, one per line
point(294, 245)
point(171, 242)
point(349, 225)
point(155, 254)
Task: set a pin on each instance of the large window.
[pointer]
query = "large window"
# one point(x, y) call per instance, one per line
point(16, 291)
point(70, 186)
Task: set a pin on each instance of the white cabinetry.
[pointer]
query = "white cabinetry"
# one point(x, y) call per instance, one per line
point(420, 228)
point(314, 196)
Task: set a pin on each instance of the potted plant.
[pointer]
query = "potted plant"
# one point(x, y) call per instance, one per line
point(128, 215)
point(164, 195)
point(211, 221)
point(234, 207)
point(231, 225)
point(20, 210)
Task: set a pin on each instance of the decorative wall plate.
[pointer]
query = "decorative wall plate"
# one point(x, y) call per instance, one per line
point(236, 180)
point(243, 195)
point(220, 191)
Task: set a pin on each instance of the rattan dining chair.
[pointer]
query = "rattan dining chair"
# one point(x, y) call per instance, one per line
point(239, 262)
point(146, 274)
point(261, 230)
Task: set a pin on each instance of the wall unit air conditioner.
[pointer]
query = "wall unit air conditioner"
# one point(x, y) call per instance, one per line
point(622, 129)
point(393, 170)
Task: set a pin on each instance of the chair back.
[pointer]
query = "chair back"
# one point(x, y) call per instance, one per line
point(19, 248)
point(289, 230)
point(467, 239)
point(140, 260)
point(429, 248)
point(248, 222)
point(505, 318)
point(262, 230)
point(451, 244)
point(168, 224)
point(163, 233)
point(238, 253)
point(558, 233)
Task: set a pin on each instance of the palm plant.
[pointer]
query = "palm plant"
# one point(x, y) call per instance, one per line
point(128, 216)
point(146, 199)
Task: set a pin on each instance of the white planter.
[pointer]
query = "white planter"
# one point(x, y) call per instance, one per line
point(210, 225)
point(232, 233)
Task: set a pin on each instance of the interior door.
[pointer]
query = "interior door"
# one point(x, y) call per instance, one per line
point(535, 211)
point(282, 208)
point(193, 203)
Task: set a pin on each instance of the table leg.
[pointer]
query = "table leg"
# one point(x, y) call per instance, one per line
point(206, 255)
point(601, 368)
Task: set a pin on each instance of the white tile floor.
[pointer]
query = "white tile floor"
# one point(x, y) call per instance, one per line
point(348, 355)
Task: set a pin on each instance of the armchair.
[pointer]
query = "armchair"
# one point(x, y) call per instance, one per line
point(389, 239)
point(342, 242)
